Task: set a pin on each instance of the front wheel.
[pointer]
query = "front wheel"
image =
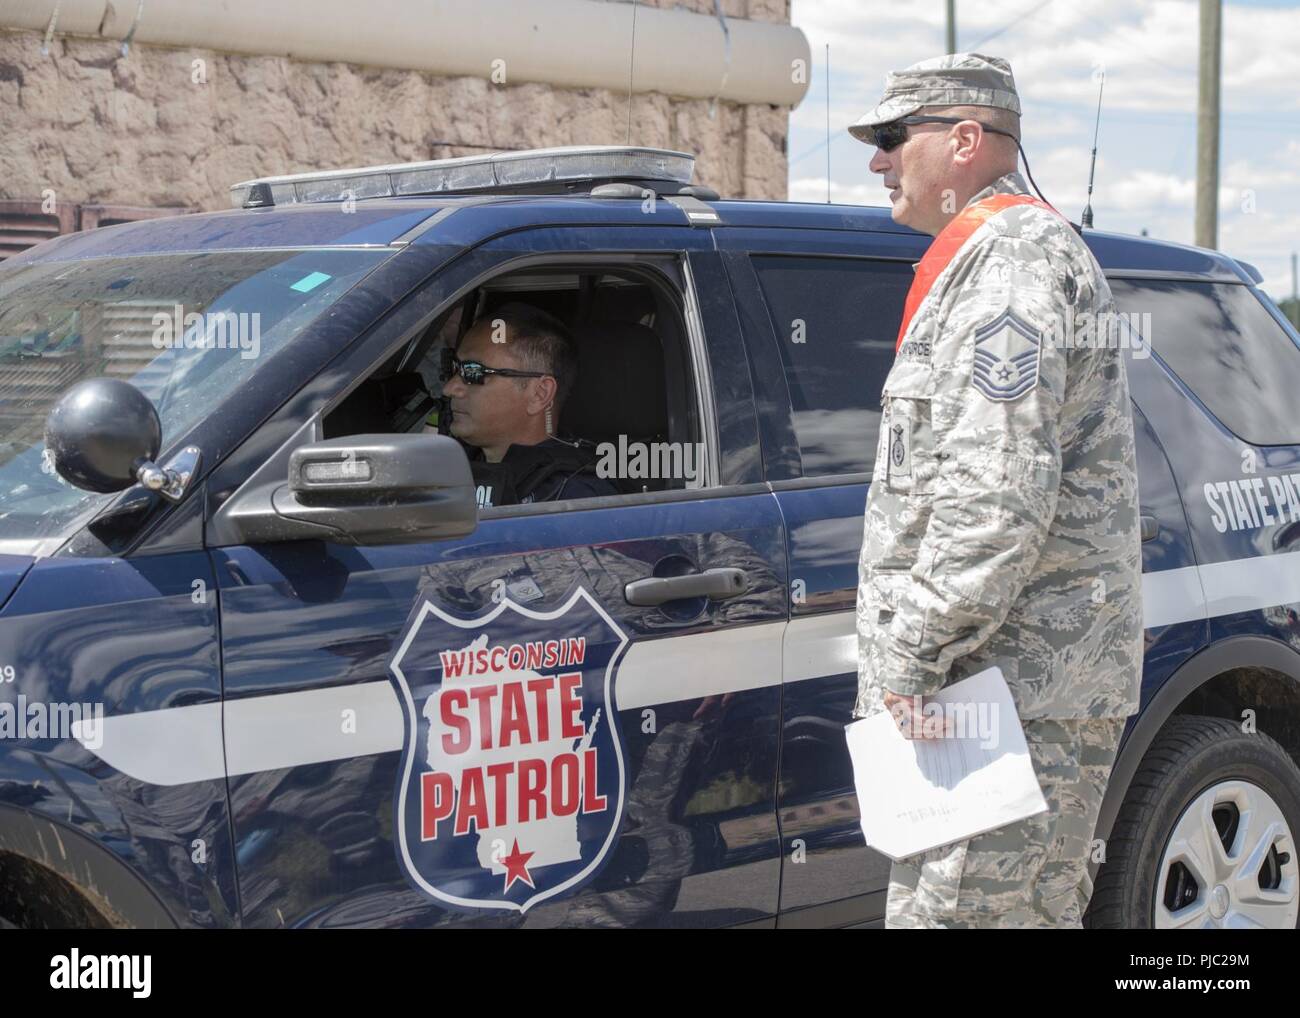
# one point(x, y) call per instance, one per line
point(1206, 836)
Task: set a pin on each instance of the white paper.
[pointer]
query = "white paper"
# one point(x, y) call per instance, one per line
point(915, 794)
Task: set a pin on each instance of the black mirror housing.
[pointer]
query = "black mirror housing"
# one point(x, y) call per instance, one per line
point(367, 490)
point(99, 434)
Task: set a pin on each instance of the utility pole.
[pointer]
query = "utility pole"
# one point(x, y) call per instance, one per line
point(952, 26)
point(1207, 126)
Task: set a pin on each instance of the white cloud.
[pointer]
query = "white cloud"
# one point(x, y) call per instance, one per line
point(1145, 189)
point(1146, 164)
point(1148, 48)
point(814, 189)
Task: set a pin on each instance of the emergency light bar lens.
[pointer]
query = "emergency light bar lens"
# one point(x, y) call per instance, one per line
point(476, 173)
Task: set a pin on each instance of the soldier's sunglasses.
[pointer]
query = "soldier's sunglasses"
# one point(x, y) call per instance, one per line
point(475, 372)
point(889, 136)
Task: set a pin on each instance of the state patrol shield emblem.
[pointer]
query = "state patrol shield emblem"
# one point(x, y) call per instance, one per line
point(1007, 353)
point(511, 784)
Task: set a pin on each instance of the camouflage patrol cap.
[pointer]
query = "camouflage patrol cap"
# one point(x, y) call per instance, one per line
point(957, 79)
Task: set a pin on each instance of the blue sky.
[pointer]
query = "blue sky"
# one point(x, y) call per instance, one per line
point(1146, 162)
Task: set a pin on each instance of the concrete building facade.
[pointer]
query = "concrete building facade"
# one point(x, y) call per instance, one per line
point(108, 113)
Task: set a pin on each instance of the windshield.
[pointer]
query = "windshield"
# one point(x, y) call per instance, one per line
point(186, 329)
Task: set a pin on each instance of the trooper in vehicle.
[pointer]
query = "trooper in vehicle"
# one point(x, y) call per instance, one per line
point(507, 382)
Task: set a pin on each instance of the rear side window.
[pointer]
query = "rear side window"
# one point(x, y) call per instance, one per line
point(1223, 343)
point(836, 322)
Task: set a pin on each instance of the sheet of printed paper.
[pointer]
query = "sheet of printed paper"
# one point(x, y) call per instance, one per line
point(915, 794)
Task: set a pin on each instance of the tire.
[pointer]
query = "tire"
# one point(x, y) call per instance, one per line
point(1179, 855)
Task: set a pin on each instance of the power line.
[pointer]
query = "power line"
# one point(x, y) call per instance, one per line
point(1137, 51)
point(1019, 18)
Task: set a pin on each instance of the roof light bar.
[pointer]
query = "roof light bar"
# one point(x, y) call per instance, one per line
point(533, 170)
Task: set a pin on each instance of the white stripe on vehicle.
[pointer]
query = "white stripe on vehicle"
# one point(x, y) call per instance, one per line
point(178, 745)
point(1172, 596)
point(173, 746)
point(263, 734)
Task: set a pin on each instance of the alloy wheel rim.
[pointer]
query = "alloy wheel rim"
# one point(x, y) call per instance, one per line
point(1230, 863)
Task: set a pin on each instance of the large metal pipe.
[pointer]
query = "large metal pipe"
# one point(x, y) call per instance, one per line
point(568, 43)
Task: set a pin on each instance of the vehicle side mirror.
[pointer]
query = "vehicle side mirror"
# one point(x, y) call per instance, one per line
point(103, 435)
point(100, 433)
point(367, 490)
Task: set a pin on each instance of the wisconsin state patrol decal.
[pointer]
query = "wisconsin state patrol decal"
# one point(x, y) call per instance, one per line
point(511, 785)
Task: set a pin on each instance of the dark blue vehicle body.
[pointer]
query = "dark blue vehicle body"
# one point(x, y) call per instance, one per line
point(228, 793)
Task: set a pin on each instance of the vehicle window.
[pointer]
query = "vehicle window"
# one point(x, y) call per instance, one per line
point(1222, 342)
point(185, 329)
point(627, 423)
point(836, 323)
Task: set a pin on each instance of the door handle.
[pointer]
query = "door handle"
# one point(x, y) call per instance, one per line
point(1150, 526)
point(712, 583)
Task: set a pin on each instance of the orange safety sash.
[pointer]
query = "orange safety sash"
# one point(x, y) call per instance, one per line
point(949, 241)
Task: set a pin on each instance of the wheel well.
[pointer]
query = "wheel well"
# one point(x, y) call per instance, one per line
point(1270, 694)
point(1221, 680)
point(34, 897)
point(55, 875)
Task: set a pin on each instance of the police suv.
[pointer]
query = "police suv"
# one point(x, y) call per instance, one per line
point(265, 662)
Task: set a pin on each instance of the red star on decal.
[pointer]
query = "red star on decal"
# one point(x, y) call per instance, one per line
point(516, 864)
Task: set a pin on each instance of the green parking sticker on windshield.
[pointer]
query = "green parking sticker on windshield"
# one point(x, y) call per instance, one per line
point(309, 283)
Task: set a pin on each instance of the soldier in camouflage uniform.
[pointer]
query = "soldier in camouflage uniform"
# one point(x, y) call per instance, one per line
point(1001, 526)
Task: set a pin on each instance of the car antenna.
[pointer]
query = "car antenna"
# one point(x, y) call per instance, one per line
point(1086, 218)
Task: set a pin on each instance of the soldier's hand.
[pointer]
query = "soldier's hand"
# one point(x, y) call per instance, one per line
point(908, 713)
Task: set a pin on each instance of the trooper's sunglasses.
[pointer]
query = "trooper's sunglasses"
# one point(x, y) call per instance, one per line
point(889, 136)
point(475, 372)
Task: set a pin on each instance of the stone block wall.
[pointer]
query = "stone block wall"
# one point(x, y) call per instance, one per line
point(173, 127)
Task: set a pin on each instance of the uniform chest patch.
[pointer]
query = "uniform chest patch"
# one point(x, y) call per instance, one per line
point(1007, 353)
point(899, 445)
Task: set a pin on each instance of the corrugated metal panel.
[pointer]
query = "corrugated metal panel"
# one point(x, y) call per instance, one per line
point(24, 223)
point(93, 216)
point(127, 336)
point(113, 340)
